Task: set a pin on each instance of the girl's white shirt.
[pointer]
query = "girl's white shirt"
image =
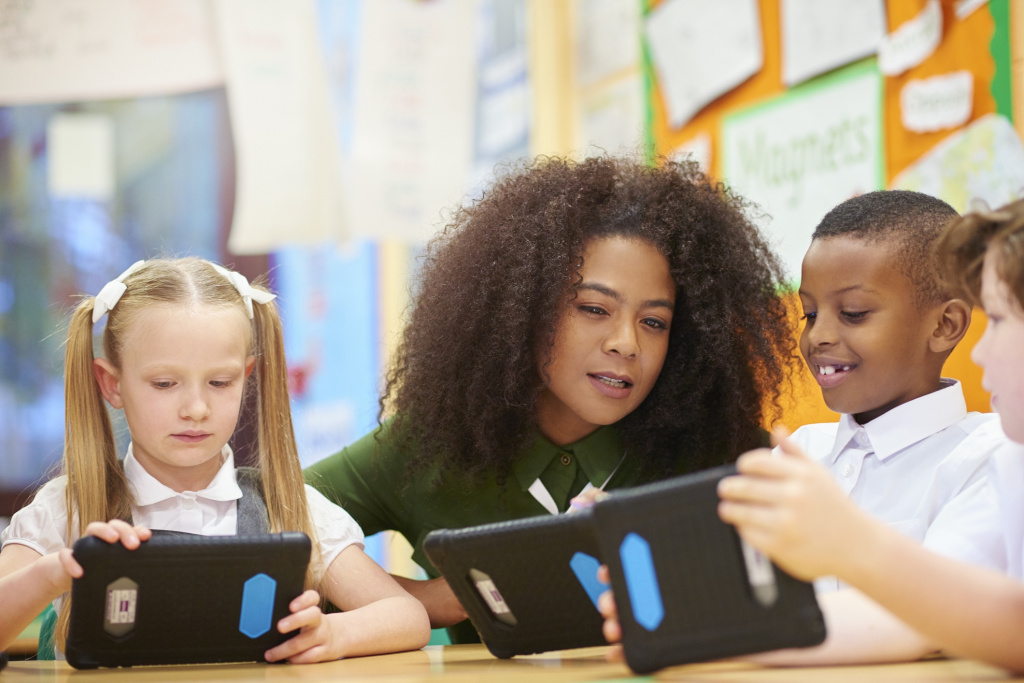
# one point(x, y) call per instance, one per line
point(43, 524)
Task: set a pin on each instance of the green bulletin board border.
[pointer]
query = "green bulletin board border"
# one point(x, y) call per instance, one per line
point(1002, 79)
point(647, 68)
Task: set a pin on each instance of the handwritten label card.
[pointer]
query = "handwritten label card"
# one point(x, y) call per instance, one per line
point(912, 42)
point(937, 103)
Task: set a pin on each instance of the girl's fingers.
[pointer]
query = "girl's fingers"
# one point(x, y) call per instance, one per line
point(305, 619)
point(118, 530)
point(69, 564)
point(308, 598)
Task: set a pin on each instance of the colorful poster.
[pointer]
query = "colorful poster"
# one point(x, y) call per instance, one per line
point(802, 153)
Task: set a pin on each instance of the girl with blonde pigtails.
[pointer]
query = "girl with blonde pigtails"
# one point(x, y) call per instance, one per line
point(184, 339)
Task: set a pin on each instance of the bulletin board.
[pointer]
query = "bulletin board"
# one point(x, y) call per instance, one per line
point(875, 103)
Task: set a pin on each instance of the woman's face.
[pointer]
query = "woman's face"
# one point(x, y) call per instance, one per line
point(611, 340)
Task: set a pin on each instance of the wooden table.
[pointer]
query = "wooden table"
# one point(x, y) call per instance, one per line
point(474, 663)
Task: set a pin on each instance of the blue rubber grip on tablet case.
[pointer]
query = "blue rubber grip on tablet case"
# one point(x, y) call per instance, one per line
point(585, 568)
point(257, 605)
point(641, 581)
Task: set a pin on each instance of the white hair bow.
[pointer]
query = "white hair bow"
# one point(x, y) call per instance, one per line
point(248, 293)
point(111, 292)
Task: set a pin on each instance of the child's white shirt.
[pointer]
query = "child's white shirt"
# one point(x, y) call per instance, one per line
point(920, 468)
point(43, 524)
point(1007, 481)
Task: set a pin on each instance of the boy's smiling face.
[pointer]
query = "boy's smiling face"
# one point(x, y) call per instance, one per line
point(865, 339)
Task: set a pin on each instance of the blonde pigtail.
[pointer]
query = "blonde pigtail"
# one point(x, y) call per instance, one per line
point(283, 484)
point(96, 486)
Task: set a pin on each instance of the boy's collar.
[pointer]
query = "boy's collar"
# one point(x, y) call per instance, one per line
point(906, 424)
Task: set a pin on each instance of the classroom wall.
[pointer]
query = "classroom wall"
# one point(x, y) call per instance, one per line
point(396, 96)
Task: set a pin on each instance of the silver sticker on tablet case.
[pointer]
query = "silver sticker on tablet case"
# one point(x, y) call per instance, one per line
point(492, 596)
point(122, 598)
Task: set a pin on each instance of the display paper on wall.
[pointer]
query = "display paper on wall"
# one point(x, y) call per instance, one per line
point(912, 41)
point(81, 149)
point(289, 167)
point(703, 49)
point(937, 103)
point(801, 154)
point(76, 50)
point(820, 35)
point(611, 118)
point(607, 39)
point(984, 161)
point(412, 155)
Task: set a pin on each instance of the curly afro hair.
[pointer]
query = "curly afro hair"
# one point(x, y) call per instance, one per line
point(496, 280)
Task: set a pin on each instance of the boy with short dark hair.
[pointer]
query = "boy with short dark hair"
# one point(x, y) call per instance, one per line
point(788, 507)
point(879, 325)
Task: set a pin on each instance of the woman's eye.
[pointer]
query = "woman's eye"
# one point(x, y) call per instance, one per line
point(809, 316)
point(655, 324)
point(592, 310)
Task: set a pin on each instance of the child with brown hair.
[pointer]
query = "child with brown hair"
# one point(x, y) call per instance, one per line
point(183, 340)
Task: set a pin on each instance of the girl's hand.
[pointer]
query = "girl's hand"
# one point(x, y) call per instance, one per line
point(314, 643)
point(791, 509)
point(113, 531)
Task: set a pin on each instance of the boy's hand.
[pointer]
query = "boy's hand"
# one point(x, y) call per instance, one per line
point(791, 509)
point(113, 531)
point(314, 642)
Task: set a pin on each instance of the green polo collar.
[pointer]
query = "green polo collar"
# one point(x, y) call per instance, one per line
point(598, 454)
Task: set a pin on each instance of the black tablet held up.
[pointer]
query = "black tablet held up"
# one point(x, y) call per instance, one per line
point(183, 599)
point(687, 588)
point(528, 585)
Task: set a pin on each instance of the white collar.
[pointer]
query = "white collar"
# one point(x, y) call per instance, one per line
point(906, 424)
point(149, 490)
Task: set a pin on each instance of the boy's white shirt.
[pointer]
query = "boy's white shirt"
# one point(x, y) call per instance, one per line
point(922, 468)
point(42, 524)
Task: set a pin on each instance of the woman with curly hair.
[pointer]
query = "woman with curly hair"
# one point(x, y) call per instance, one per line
point(602, 323)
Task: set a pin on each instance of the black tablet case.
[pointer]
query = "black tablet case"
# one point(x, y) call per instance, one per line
point(187, 607)
point(682, 557)
point(544, 570)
